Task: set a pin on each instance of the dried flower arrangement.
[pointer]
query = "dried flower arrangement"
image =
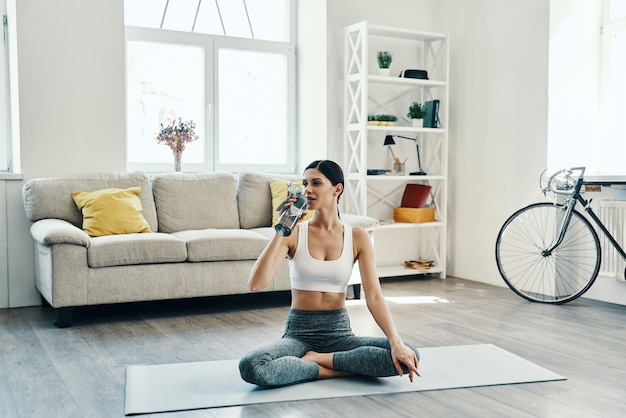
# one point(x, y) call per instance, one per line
point(176, 134)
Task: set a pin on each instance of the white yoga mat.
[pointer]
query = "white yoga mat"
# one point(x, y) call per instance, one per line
point(210, 384)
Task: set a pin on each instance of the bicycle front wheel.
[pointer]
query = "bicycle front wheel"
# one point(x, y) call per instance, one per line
point(556, 277)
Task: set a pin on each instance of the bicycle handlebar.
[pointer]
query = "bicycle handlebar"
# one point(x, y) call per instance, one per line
point(563, 182)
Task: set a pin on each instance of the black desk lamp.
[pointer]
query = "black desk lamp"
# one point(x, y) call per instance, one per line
point(389, 141)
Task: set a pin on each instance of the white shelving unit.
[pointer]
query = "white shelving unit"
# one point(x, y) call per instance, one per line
point(367, 92)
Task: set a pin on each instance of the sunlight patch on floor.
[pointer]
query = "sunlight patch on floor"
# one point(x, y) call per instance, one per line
point(403, 300)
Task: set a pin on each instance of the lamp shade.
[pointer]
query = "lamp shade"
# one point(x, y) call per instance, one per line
point(389, 140)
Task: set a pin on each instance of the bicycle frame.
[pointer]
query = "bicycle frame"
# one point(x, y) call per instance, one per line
point(570, 203)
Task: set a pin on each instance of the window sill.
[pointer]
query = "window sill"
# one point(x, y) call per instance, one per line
point(11, 176)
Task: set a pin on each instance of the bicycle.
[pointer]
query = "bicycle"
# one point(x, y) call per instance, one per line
point(549, 252)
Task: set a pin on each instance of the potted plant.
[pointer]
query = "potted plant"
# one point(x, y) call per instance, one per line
point(384, 61)
point(417, 112)
point(386, 120)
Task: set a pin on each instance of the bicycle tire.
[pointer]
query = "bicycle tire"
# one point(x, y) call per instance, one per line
point(558, 277)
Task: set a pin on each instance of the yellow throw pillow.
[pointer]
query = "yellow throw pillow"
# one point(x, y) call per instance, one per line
point(111, 211)
point(279, 193)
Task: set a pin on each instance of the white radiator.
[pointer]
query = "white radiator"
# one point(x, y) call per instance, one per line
point(613, 215)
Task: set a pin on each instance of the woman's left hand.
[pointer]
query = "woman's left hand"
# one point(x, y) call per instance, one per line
point(404, 355)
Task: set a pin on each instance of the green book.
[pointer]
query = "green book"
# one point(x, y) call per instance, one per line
point(431, 120)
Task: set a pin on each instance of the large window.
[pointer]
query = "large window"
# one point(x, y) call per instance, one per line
point(613, 87)
point(587, 86)
point(227, 65)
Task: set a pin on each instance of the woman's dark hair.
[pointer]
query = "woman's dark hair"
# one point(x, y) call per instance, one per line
point(331, 170)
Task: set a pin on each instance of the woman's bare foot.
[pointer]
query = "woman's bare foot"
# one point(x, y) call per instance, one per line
point(325, 361)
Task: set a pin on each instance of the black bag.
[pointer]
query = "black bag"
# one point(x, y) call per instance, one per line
point(421, 74)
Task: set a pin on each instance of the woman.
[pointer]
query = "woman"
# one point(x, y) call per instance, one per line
point(318, 342)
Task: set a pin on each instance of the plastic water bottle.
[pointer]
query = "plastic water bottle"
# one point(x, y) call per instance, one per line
point(290, 217)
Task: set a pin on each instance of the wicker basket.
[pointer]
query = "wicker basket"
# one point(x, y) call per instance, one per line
point(414, 215)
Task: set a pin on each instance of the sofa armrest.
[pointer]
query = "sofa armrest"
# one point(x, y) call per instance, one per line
point(57, 231)
point(365, 222)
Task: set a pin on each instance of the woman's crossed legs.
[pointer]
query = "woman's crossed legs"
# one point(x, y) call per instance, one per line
point(289, 360)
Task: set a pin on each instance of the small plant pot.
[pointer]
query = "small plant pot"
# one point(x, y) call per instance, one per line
point(384, 71)
point(417, 123)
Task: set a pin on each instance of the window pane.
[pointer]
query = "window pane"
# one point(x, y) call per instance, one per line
point(235, 18)
point(180, 15)
point(164, 81)
point(258, 19)
point(270, 19)
point(252, 107)
point(615, 136)
point(208, 20)
point(617, 9)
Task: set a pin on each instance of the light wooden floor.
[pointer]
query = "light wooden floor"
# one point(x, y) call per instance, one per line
point(79, 371)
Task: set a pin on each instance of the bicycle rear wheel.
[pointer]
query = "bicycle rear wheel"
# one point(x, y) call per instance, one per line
point(558, 277)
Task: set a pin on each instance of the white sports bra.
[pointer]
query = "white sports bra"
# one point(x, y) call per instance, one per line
point(308, 273)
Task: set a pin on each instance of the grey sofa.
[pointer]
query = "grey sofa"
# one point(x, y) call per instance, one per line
point(208, 229)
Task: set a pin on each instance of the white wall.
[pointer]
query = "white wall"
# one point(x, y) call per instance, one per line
point(498, 123)
point(312, 82)
point(71, 106)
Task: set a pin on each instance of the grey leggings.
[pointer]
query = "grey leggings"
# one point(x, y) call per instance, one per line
point(279, 363)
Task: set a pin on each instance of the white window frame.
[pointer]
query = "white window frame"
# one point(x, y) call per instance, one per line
point(5, 99)
point(211, 45)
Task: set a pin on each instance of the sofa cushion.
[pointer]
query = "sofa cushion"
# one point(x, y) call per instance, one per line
point(111, 211)
point(123, 250)
point(51, 197)
point(195, 201)
point(222, 244)
point(254, 197)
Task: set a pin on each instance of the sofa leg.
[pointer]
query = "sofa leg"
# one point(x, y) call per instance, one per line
point(63, 317)
point(356, 289)
point(44, 303)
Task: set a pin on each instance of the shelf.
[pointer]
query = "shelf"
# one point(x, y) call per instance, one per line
point(384, 177)
point(393, 32)
point(406, 225)
point(405, 82)
point(393, 271)
point(396, 128)
point(399, 81)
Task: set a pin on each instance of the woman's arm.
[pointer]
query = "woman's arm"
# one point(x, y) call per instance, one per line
point(269, 261)
point(377, 304)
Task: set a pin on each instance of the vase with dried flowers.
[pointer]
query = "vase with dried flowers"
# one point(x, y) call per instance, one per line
point(176, 134)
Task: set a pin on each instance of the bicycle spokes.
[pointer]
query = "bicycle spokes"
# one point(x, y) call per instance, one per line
point(540, 262)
